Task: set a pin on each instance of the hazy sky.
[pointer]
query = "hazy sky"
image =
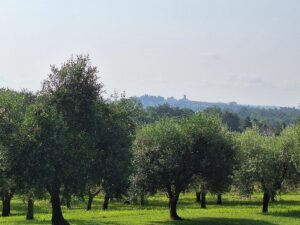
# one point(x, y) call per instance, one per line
point(211, 50)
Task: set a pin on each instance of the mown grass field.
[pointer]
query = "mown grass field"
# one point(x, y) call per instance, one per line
point(234, 211)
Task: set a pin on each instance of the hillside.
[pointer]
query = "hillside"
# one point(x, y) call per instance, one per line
point(271, 114)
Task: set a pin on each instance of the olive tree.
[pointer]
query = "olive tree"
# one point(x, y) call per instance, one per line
point(263, 162)
point(214, 154)
point(110, 169)
point(162, 157)
point(122, 122)
point(13, 106)
point(62, 129)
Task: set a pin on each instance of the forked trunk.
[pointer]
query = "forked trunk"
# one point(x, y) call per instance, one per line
point(266, 200)
point(57, 216)
point(219, 201)
point(30, 207)
point(173, 199)
point(91, 198)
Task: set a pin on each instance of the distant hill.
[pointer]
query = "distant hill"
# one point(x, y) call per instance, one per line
point(271, 114)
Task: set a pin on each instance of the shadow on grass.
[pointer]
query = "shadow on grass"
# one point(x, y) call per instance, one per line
point(214, 221)
point(76, 221)
point(293, 213)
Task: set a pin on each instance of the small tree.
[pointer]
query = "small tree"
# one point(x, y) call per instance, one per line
point(62, 129)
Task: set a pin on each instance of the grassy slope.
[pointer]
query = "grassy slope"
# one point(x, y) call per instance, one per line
point(234, 212)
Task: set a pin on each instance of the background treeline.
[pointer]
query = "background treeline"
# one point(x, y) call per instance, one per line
point(272, 115)
point(67, 141)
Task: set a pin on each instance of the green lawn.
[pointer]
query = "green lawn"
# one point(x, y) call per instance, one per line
point(234, 211)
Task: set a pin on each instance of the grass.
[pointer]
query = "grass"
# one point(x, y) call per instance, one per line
point(234, 211)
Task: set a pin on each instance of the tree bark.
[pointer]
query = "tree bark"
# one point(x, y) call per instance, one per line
point(219, 201)
point(203, 199)
point(6, 198)
point(198, 196)
point(30, 208)
point(173, 210)
point(105, 203)
point(266, 200)
point(57, 216)
point(173, 199)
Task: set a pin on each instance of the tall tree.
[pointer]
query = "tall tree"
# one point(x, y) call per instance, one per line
point(62, 127)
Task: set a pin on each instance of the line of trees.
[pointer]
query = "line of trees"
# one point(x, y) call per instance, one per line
point(66, 140)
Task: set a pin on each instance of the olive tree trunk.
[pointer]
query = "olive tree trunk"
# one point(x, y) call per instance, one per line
point(198, 196)
point(106, 201)
point(90, 202)
point(57, 216)
point(173, 210)
point(266, 200)
point(91, 199)
point(203, 199)
point(219, 201)
point(6, 199)
point(30, 207)
point(173, 199)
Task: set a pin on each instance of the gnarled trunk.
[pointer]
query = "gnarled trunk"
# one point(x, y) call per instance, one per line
point(219, 201)
point(30, 207)
point(105, 203)
point(173, 210)
point(173, 199)
point(57, 216)
point(198, 196)
point(266, 200)
point(6, 198)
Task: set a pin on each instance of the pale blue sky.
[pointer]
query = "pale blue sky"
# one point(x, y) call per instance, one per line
point(212, 50)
